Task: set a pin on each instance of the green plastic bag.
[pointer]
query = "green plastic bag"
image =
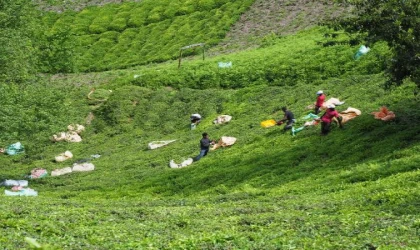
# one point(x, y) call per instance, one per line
point(363, 50)
point(14, 149)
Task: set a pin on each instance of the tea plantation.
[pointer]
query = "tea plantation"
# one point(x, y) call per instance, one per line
point(356, 188)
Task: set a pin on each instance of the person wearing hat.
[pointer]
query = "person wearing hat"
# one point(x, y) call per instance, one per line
point(289, 118)
point(205, 143)
point(195, 120)
point(327, 118)
point(319, 101)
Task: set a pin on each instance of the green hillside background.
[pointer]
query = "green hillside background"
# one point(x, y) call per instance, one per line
point(356, 188)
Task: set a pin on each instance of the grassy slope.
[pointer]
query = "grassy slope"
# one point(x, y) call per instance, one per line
point(357, 188)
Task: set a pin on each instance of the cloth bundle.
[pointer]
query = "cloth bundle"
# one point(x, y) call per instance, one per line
point(83, 167)
point(64, 156)
point(384, 114)
point(61, 171)
point(37, 173)
point(348, 114)
point(185, 163)
point(222, 119)
point(21, 192)
point(72, 135)
point(225, 141)
point(9, 183)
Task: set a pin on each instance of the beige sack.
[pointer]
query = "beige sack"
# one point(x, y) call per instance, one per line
point(222, 119)
point(225, 141)
point(64, 156)
point(61, 171)
point(83, 167)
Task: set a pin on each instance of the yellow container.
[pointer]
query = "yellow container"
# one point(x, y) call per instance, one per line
point(268, 123)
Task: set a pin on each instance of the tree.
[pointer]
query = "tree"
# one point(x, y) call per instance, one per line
point(396, 22)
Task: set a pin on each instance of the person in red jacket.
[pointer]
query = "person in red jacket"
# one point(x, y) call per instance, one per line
point(319, 101)
point(327, 118)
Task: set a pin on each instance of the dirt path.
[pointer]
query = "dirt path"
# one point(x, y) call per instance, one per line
point(275, 17)
point(265, 17)
point(76, 5)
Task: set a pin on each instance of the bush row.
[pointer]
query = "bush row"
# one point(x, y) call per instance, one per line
point(291, 60)
point(118, 36)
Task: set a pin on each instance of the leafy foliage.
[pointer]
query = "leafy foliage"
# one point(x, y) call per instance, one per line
point(345, 190)
point(395, 22)
point(19, 31)
point(303, 58)
point(162, 28)
point(356, 188)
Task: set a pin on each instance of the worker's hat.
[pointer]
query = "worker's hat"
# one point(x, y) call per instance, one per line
point(331, 106)
point(319, 92)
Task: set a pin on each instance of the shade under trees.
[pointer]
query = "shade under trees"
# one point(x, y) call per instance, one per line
point(396, 22)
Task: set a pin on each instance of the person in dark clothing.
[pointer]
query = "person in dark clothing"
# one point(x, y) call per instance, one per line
point(205, 143)
point(289, 118)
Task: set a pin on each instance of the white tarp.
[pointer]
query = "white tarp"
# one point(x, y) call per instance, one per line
point(185, 163)
point(158, 144)
point(22, 183)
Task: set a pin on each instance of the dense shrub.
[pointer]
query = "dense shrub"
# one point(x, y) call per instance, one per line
point(286, 62)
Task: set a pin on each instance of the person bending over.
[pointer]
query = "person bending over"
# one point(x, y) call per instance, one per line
point(327, 118)
point(289, 118)
point(195, 120)
point(205, 143)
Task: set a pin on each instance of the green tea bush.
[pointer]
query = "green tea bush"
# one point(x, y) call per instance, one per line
point(118, 24)
point(83, 20)
point(100, 24)
point(137, 18)
point(155, 15)
point(62, 22)
point(286, 63)
point(36, 111)
point(354, 187)
point(182, 23)
point(49, 18)
point(110, 35)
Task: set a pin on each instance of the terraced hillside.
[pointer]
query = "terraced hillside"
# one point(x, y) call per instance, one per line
point(123, 35)
point(356, 188)
point(134, 33)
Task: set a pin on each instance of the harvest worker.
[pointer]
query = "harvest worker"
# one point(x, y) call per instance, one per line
point(289, 118)
point(205, 143)
point(327, 118)
point(195, 120)
point(319, 101)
